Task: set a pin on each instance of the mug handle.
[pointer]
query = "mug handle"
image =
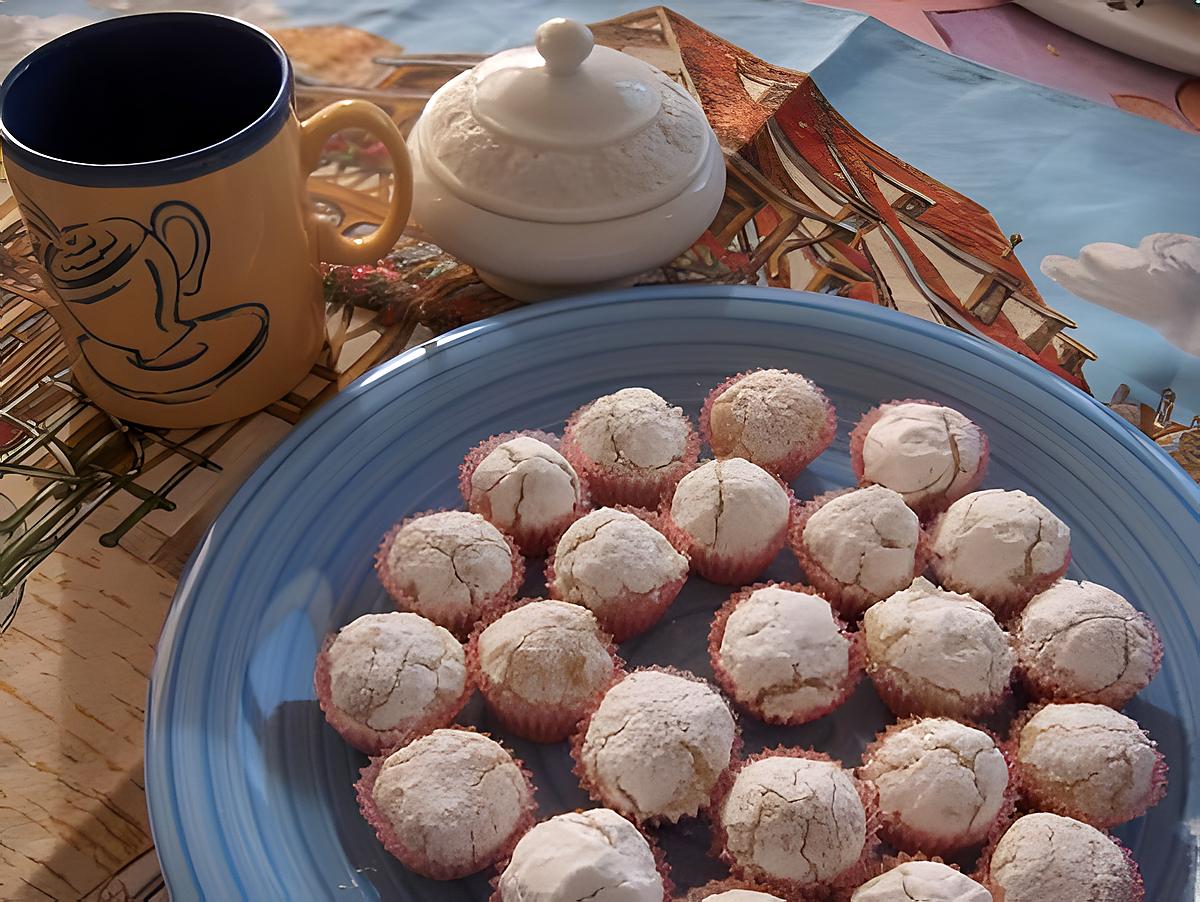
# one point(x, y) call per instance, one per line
point(332, 245)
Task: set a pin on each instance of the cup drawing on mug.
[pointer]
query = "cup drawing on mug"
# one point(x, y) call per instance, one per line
point(119, 267)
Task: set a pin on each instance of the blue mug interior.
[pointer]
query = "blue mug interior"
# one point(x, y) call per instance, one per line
point(144, 90)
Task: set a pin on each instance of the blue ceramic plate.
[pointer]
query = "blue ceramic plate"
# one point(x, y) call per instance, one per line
point(250, 792)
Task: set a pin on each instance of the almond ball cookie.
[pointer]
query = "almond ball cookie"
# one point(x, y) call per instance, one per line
point(942, 785)
point(921, 881)
point(1045, 856)
point(930, 651)
point(449, 566)
point(1079, 641)
point(655, 746)
point(795, 820)
point(539, 667)
point(781, 653)
point(1088, 762)
point(1001, 548)
point(732, 516)
point(521, 484)
point(594, 854)
point(631, 447)
point(449, 804)
point(930, 454)
point(774, 418)
point(620, 566)
point(859, 546)
point(385, 678)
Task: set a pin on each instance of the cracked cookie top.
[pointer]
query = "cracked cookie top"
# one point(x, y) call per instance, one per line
point(633, 429)
point(922, 451)
point(657, 744)
point(939, 645)
point(546, 653)
point(939, 780)
point(1088, 760)
point(387, 671)
point(525, 484)
point(996, 542)
point(450, 564)
point(453, 796)
point(730, 507)
point(594, 855)
point(794, 819)
point(923, 881)
point(609, 555)
point(1045, 856)
point(1079, 641)
point(784, 652)
point(867, 538)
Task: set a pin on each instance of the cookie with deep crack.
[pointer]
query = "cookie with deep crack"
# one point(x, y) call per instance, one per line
point(858, 546)
point(1046, 856)
point(733, 518)
point(943, 786)
point(1088, 762)
point(1000, 547)
point(522, 484)
point(385, 678)
point(618, 564)
point(782, 653)
point(449, 566)
point(655, 745)
point(934, 652)
point(931, 454)
point(631, 447)
point(540, 665)
point(1082, 642)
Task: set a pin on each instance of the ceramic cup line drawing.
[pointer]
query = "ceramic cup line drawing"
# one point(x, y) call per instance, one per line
point(118, 266)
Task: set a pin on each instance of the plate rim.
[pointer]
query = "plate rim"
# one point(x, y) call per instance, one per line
point(161, 801)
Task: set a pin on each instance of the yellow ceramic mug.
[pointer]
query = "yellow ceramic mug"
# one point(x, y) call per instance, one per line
point(160, 167)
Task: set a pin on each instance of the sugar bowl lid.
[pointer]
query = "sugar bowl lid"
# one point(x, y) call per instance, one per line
point(564, 131)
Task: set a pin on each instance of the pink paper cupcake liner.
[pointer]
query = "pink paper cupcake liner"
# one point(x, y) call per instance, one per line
point(461, 624)
point(1005, 605)
point(416, 859)
point(660, 861)
point(849, 600)
point(904, 701)
point(594, 790)
point(1045, 687)
point(533, 541)
point(633, 613)
point(363, 737)
point(736, 570)
point(795, 461)
point(849, 879)
point(983, 874)
point(535, 722)
point(615, 485)
point(716, 634)
point(912, 842)
point(1040, 797)
point(927, 507)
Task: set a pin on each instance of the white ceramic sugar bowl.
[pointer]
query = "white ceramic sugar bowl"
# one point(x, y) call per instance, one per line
point(564, 167)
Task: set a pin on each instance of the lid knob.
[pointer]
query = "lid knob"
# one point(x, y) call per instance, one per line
point(564, 44)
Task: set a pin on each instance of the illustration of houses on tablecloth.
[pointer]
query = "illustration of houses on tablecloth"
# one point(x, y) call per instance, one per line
point(816, 205)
